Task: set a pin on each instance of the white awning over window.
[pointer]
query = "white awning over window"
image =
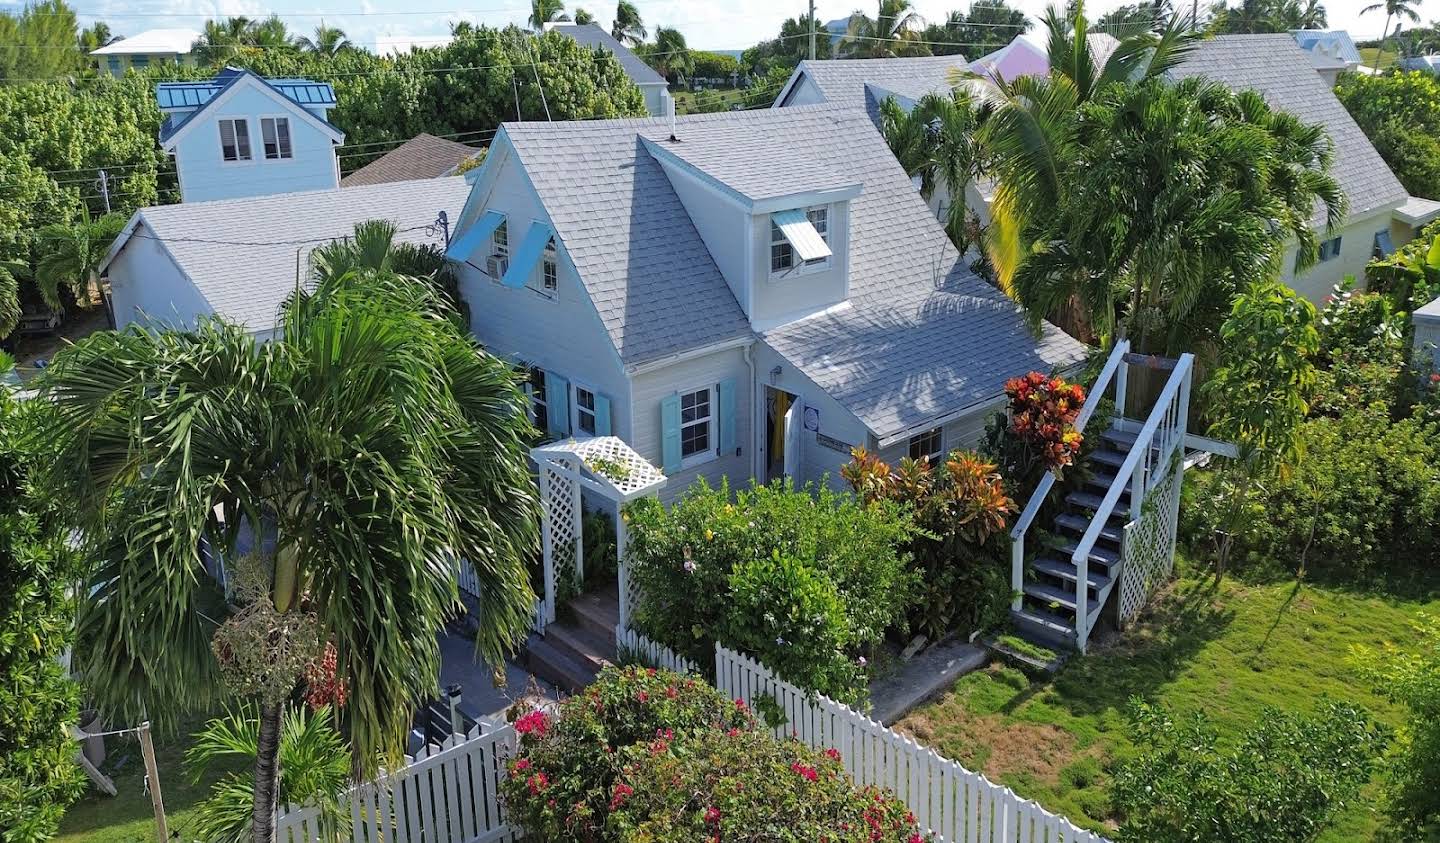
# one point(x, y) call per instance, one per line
point(802, 236)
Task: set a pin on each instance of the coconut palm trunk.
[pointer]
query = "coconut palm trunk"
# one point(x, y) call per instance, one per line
point(267, 774)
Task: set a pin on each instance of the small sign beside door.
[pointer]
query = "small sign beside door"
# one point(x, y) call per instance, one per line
point(812, 419)
point(833, 444)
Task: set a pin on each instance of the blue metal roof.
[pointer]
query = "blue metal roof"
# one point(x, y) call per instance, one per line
point(196, 95)
point(1336, 40)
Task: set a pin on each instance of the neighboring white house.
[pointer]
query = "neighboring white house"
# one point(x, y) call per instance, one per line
point(753, 296)
point(1331, 51)
point(153, 46)
point(241, 258)
point(652, 84)
point(240, 134)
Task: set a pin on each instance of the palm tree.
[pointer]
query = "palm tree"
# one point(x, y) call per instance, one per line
point(1309, 16)
point(96, 36)
point(628, 28)
point(936, 141)
point(583, 17)
point(221, 41)
point(71, 255)
point(894, 31)
point(1400, 9)
point(546, 11)
point(372, 444)
point(10, 274)
point(328, 41)
point(271, 34)
point(670, 55)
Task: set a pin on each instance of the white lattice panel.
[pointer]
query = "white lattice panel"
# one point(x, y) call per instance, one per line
point(563, 520)
point(1149, 549)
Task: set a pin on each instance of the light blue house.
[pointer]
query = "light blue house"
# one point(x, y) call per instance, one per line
point(241, 135)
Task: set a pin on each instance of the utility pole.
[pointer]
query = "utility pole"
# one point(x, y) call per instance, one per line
point(812, 30)
point(152, 775)
point(104, 184)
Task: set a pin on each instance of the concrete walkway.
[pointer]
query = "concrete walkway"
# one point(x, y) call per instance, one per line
point(929, 673)
point(479, 695)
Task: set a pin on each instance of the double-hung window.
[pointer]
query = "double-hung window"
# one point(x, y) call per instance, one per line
point(585, 410)
point(696, 415)
point(782, 254)
point(550, 268)
point(234, 140)
point(275, 134)
point(928, 444)
point(539, 406)
point(140, 62)
point(1330, 249)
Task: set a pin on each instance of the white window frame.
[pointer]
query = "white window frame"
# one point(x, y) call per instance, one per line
point(249, 147)
point(936, 457)
point(550, 269)
point(777, 238)
point(499, 244)
point(275, 119)
point(536, 393)
point(576, 409)
point(711, 451)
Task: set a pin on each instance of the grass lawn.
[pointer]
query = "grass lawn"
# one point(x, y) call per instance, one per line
point(1228, 652)
point(1367, 57)
point(127, 817)
point(685, 100)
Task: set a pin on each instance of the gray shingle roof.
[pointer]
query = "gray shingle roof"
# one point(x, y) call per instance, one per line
point(592, 35)
point(214, 243)
point(758, 166)
point(921, 335)
point(422, 157)
point(1282, 72)
point(844, 81)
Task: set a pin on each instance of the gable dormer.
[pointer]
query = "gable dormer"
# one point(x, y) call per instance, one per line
point(241, 135)
point(777, 225)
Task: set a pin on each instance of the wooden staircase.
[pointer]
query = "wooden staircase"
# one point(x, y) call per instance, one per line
point(572, 650)
point(1116, 535)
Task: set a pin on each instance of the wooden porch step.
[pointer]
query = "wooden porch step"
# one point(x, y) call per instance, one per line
point(1043, 628)
point(1077, 524)
point(1108, 456)
point(550, 663)
point(1051, 596)
point(598, 612)
point(1065, 570)
point(582, 645)
point(1123, 439)
point(1100, 555)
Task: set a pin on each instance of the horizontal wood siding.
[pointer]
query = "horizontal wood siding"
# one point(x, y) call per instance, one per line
point(966, 433)
point(1357, 240)
point(649, 388)
point(836, 423)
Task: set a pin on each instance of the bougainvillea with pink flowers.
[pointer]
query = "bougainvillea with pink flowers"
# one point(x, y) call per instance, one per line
point(647, 755)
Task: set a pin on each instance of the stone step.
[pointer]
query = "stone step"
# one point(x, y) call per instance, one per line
point(582, 645)
point(598, 612)
point(1064, 570)
point(548, 662)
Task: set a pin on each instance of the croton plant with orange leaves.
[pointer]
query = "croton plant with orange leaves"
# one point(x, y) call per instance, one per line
point(1043, 409)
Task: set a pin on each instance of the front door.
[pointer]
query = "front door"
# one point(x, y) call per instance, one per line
point(782, 434)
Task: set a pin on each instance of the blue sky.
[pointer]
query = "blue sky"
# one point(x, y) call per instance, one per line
point(711, 24)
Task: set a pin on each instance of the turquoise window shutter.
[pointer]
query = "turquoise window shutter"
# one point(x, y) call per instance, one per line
point(726, 390)
point(557, 400)
point(670, 434)
point(523, 261)
point(602, 415)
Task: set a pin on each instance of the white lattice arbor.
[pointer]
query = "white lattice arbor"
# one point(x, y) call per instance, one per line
point(605, 466)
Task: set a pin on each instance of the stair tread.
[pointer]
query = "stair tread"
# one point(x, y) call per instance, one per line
point(1080, 525)
point(1052, 624)
point(1065, 570)
point(1108, 456)
point(550, 663)
point(1124, 438)
point(579, 644)
point(1050, 595)
point(1086, 500)
point(601, 605)
point(1097, 554)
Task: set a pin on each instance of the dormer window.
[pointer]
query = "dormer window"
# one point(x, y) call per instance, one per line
point(550, 268)
point(799, 239)
point(234, 140)
point(275, 133)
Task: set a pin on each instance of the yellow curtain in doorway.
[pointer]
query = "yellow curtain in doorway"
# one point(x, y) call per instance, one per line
point(777, 439)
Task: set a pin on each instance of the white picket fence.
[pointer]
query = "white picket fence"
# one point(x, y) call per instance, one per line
point(628, 640)
point(956, 805)
point(446, 794)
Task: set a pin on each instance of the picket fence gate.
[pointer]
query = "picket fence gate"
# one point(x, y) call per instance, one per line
point(445, 794)
point(954, 804)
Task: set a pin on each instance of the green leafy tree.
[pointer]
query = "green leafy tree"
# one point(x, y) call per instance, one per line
point(936, 140)
point(70, 255)
point(1412, 679)
point(327, 41)
point(894, 31)
point(373, 442)
point(314, 770)
point(990, 25)
point(583, 17)
point(38, 701)
point(1400, 112)
point(10, 272)
point(1257, 396)
point(792, 47)
point(97, 35)
point(1399, 10)
point(628, 28)
point(1252, 16)
point(39, 42)
point(1282, 780)
point(546, 11)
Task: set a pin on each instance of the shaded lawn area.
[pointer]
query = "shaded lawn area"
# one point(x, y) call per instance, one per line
point(1390, 59)
point(1228, 652)
point(128, 817)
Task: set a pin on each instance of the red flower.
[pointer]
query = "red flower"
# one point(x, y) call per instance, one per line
point(832, 754)
point(538, 783)
point(535, 722)
point(916, 838)
point(712, 815)
point(520, 767)
point(621, 793)
point(642, 697)
point(804, 771)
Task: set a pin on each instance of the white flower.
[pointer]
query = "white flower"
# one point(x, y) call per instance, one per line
point(779, 642)
point(862, 661)
point(689, 566)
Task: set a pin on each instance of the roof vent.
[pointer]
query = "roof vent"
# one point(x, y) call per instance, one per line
point(670, 113)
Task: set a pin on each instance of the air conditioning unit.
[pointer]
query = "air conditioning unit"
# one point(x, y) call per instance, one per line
point(496, 266)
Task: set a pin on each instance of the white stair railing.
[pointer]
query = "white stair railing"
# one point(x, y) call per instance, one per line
point(1114, 371)
point(1146, 466)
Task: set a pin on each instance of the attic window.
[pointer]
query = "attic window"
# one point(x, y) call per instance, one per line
point(799, 239)
point(275, 133)
point(234, 140)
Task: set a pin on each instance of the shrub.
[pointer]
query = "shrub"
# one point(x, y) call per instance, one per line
point(1281, 781)
point(961, 509)
point(1400, 112)
point(559, 785)
point(646, 755)
point(747, 786)
point(1413, 680)
point(708, 65)
point(1042, 420)
point(711, 569)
